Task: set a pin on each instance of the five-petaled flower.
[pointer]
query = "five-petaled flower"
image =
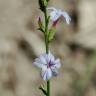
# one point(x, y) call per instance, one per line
point(56, 14)
point(48, 64)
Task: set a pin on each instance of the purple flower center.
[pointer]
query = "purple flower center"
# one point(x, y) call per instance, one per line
point(50, 64)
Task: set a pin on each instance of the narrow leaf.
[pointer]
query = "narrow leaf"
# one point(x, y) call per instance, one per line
point(51, 34)
point(41, 30)
point(43, 90)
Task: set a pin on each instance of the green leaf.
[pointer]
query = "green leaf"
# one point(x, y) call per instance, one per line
point(51, 34)
point(41, 30)
point(43, 90)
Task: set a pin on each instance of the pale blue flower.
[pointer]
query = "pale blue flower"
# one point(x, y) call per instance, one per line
point(48, 64)
point(55, 14)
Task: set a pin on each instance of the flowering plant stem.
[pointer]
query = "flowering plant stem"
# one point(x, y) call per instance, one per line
point(47, 47)
point(47, 62)
point(48, 88)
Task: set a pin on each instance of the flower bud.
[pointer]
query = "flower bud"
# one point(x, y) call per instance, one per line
point(39, 22)
point(43, 4)
point(41, 27)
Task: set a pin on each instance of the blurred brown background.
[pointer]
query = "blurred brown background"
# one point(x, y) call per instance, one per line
point(20, 43)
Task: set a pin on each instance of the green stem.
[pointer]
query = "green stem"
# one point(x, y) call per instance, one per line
point(48, 88)
point(47, 47)
point(46, 32)
point(48, 82)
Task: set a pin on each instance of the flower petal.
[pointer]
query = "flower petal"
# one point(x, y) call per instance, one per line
point(56, 65)
point(67, 17)
point(54, 72)
point(50, 57)
point(39, 62)
point(46, 73)
point(43, 58)
point(54, 15)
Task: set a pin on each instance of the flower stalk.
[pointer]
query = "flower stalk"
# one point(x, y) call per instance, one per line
point(47, 45)
point(44, 9)
point(46, 62)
